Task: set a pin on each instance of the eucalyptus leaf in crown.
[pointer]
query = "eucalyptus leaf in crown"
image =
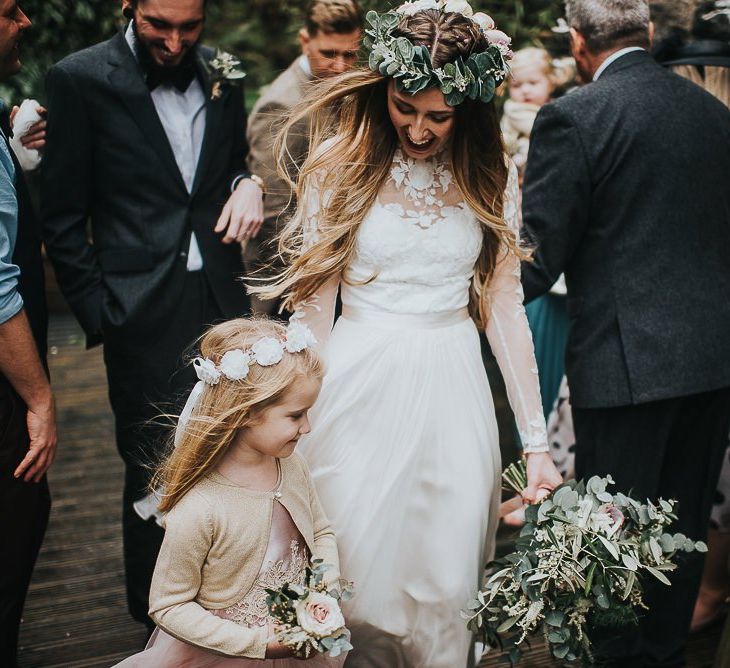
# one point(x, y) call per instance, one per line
point(410, 64)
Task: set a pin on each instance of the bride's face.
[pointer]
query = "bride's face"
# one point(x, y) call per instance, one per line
point(423, 122)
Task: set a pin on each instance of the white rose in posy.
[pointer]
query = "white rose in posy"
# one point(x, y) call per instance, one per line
point(484, 21)
point(299, 337)
point(205, 370)
point(459, 6)
point(267, 351)
point(410, 8)
point(319, 614)
point(234, 364)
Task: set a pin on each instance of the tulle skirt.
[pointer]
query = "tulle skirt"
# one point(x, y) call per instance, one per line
point(164, 651)
point(405, 456)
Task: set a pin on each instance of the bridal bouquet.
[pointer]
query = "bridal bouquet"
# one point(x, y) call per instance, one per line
point(308, 616)
point(579, 564)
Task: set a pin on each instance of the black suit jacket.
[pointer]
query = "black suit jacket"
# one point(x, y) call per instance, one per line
point(108, 160)
point(627, 191)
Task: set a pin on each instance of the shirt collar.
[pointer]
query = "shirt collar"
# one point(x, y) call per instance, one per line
point(304, 64)
point(131, 39)
point(614, 57)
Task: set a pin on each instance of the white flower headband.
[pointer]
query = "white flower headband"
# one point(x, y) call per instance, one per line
point(267, 351)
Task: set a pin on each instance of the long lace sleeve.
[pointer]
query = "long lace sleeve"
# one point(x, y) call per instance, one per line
point(318, 312)
point(510, 338)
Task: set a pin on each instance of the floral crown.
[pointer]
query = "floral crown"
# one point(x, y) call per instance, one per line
point(410, 65)
point(267, 351)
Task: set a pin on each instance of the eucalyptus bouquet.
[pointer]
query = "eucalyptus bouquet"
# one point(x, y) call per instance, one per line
point(308, 616)
point(579, 564)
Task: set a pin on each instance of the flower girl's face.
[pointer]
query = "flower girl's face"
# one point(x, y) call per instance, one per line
point(423, 122)
point(278, 428)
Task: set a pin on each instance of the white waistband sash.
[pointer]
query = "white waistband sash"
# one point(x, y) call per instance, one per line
point(405, 320)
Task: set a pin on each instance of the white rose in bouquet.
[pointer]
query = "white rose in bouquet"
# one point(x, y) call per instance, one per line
point(319, 614)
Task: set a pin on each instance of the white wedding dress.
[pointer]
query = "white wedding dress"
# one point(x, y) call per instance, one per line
point(404, 448)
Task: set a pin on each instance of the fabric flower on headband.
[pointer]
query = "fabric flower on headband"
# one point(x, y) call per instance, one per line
point(267, 351)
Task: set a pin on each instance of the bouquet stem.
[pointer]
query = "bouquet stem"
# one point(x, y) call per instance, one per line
point(515, 476)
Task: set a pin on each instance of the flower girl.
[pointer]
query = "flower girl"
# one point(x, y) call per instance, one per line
point(242, 515)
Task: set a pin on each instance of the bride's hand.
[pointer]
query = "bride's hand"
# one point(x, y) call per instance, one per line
point(542, 477)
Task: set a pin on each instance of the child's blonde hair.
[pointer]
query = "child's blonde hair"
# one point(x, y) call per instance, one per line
point(229, 405)
point(560, 72)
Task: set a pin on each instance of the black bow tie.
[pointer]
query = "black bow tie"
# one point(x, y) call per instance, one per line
point(181, 77)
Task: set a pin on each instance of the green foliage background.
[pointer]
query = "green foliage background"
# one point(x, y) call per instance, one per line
point(262, 32)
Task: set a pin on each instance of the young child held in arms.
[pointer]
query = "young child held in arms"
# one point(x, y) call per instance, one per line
point(534, 79)
point(242, 514)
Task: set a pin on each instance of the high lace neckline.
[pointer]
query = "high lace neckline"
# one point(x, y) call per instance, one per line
point(423, 181)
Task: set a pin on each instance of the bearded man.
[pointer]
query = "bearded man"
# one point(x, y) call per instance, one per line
point(145, 197)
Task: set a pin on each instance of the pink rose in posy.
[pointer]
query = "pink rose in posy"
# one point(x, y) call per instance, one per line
point(319, 615)
point(500, 40)
point(614, 513)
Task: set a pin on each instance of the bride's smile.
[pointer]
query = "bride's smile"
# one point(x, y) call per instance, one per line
point(423, 122)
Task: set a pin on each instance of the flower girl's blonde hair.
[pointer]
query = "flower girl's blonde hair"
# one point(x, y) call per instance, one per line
point(229, 405)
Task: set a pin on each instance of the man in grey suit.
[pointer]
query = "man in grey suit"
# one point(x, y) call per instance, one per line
point(146, 140)
point(627, 191)
point(330, 41)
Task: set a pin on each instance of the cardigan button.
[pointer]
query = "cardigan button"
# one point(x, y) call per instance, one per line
point(277, 495)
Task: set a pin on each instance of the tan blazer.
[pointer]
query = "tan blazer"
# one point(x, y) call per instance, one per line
point(270, 112)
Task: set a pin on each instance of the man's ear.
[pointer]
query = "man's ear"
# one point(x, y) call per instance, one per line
point(651, 33)
point(127, 10)
point(304, 39)
point(577, 42)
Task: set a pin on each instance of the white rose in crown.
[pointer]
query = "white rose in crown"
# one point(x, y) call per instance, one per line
point(299, 337)
point(459, 7)
point(484, 21)
point(234, 364)
point(205, 370)
point(319, 614)
point(410, 8)
point(267, 351)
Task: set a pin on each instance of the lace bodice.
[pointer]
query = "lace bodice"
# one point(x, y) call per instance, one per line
point(415, 253)
point(284, 562)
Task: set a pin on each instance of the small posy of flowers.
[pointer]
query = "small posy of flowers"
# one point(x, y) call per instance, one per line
point(224, 69)
point(308, 616)
point(579, 564)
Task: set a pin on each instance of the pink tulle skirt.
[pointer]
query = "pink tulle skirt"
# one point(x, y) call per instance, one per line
point(164, 651)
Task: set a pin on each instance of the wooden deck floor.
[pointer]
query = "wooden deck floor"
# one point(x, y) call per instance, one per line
point(75, 614)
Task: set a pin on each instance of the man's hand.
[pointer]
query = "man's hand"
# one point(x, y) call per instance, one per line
point(35, 138)
point(42, 451)
point(243, 213)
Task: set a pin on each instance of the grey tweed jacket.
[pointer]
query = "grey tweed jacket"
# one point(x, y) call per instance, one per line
point(627, 191)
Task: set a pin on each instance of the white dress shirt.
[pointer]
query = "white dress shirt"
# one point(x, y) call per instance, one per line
point(614, 57)
point(182, 115)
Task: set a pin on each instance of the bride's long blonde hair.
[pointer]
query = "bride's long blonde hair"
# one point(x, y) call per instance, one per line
point(350, 159)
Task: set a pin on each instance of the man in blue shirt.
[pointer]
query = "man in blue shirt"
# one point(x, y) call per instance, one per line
point(27, 414)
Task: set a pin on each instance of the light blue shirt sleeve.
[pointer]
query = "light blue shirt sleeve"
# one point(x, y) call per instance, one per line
point(10, 300)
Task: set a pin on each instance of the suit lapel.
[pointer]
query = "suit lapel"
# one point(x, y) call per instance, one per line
point(127, 79)
point(213, 120)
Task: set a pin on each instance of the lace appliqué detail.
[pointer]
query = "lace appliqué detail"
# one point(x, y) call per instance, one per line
point(424, 183)
point(252, 610)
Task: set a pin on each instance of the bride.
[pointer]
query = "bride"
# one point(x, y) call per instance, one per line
point(408, 209)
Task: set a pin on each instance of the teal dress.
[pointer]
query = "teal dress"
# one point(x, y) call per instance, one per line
point(548, 318)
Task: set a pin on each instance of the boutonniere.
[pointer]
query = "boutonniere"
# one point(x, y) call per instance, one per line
point(223, 70)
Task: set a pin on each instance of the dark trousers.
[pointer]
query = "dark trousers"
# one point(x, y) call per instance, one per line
point(24, 508)
point(671, 449)
point(149, 379)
